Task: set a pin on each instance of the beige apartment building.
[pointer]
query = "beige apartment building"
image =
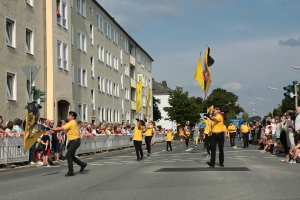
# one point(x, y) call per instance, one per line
point(87, 62)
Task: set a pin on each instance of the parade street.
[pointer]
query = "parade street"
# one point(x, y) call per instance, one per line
point(177, 175)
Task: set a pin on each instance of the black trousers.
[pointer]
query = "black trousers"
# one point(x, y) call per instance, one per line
point(70, 155)
point(207, 143)
point(169, 144)
point(148, 143)
point(217, 138)
point(246, 139)
point(187, 142)
point(138, 149)
point(232, 138)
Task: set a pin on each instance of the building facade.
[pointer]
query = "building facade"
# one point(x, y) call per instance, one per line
point(88, 62)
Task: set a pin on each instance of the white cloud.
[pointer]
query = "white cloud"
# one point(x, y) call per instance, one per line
point(232, 86)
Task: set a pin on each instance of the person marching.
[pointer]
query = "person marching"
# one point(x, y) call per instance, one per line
point(217, 137)
point(196, 134)
point(207, 133)
point(231, 133)
point(137, 137)
point(74, 142)
point(187, 137)
point(224, 131)
point(148, 136)
point(245, 131)
point(169, 139)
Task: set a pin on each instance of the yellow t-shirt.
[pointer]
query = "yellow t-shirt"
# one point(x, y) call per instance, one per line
point(224, 128)
point(138, 133)
point(217, 127)
point(244, 128)
point(149, 130)
point(72, 130)
point(187, 135)
point(231, 128)
point(169, 136)
point(207, 126)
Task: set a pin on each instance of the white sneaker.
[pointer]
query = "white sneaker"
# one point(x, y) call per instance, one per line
point(32, 163)
point(291, 161)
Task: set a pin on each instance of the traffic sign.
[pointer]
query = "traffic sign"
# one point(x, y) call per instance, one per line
point(31, 70)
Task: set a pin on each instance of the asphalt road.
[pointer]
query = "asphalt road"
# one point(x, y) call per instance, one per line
point(180, 174)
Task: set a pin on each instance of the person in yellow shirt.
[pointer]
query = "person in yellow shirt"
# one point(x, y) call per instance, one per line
point(231, 133)
point(217, 137)
point(207, 133)
point(74, 142)
point(224, 131)
point(148, 136)
point(169, 139)
point(245, 131)
point(187, 134)
point(137, 137)
point(181, 134)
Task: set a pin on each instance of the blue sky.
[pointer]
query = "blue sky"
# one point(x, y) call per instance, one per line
point(254, 43)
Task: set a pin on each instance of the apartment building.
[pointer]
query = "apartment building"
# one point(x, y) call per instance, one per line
point(88, 62)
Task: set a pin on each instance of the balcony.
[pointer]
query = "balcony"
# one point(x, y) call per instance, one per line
point(132, 60)
point(133, 83)
point(133, 105)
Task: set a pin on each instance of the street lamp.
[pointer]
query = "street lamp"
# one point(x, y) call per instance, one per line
point(267, 100)
point(295, 67)
point(260, 107)
point(273, 88)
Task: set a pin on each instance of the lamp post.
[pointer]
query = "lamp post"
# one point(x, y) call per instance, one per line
point(273, 88)
point(260, 107)
point(267, 100)
point(295, 67)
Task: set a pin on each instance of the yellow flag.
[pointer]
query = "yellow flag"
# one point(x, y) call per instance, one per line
point(148, 100)
point(139, 87)
point(198, 76)
point(207, 77)
point(210, 109)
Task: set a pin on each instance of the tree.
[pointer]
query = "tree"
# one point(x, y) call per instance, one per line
point(156, 111)
point(182, 108)
point(228, 116)
point(245, 116)
point(287, 104)
point(226, 100)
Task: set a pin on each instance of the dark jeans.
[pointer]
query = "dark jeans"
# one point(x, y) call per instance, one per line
point(217, 138)
point(138, 149)
point(31, 153)
point(187, 142)
point(169, 145)
point(232, 138)
point(148, 143)
point(246, 139)
point(207, 143)
point(283, 141)
point(70, 155)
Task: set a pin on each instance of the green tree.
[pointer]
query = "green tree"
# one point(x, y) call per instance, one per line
point(226, 100)
point(156, 111)
point(182, 108)
point(287, 104)
point(230, 115)
point(245, 116)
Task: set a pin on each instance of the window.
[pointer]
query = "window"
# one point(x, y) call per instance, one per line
point(109, 87)
point(126, 49)
point(81, 43)
point(99, 20)
point(121, 56)
point(91, 9)
point(126, 93)
point(126, 70)
point(29, 2)
point(101, 114)
point(91, 33)
point(93, 99)
point(122, 106)
point(64, 14)
point(62, 55)
point(144, 100)
point(122, 81)
point(115, 36)
point(115, 63)
point(84, 112)
point(11, 86)
point(29, 41)
point(72, 35)
point(108, 58)
point(92, 66)
point(79, 112)
point(81, 7)
point(10, 33)
point(115, 89)
point(118, 90)
point(107, 30)
point(82, 79)
point(61, 13)
point(101, 81)
point(100, 53)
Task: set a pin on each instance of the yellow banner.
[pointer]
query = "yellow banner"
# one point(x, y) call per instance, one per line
point(139, 87)
point(198, 76)
point(210, 109)
point(148, 100)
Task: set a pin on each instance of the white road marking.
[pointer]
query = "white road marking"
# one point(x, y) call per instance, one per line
point(189, 149)
point(94, 164)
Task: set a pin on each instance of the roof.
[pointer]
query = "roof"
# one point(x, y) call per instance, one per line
point(159, 88)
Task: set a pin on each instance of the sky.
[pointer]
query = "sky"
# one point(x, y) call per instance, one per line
point(254, 44)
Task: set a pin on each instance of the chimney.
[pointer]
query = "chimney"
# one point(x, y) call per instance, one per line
point(164, 83)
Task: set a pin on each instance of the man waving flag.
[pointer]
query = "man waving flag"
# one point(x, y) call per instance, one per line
point(208, 61)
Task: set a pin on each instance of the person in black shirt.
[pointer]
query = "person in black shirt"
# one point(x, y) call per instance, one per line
point(46, 147)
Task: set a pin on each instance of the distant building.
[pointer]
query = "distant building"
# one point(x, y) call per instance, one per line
point(161, 92)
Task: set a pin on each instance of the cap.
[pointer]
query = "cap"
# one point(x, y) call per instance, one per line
point(74, 114)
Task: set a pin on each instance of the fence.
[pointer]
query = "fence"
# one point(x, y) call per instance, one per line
point(12, 149)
